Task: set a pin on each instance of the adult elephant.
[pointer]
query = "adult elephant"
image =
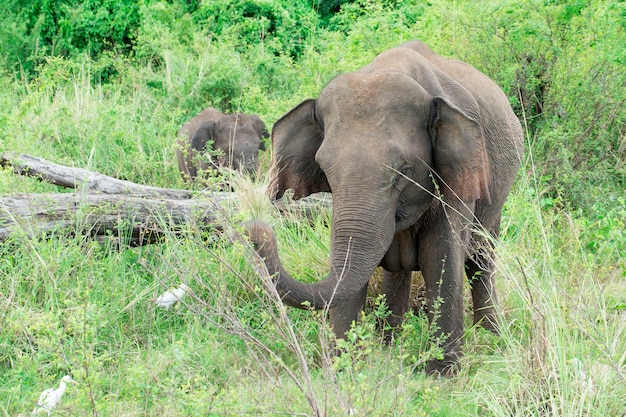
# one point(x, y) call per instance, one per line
point(420, 153)
point(234, 139)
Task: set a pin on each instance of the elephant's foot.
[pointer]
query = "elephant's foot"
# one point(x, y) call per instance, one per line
point(447, 363)
point(447, 367)
point(389, 333)
point(391, 327)
point(487, 321)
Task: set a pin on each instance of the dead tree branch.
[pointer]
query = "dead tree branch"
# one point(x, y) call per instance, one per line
point(104, 207)
point(82, 179)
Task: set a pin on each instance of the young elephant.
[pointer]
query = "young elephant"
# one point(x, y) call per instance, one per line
point(237, 138)
point(419, 152)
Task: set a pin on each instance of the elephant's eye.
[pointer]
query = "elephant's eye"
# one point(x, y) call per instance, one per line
point(403, 175)
point(316, 117)
point(407, 171)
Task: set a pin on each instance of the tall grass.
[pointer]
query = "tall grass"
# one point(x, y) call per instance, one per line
point(72, 306)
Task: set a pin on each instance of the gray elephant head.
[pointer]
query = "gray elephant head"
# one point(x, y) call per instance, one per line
point(419, 152)
point(234, 139)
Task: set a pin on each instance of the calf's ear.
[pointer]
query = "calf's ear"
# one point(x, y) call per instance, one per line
point(259, 126)
point(204, 133)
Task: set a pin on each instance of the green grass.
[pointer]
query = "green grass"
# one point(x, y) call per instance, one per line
point(69, 305)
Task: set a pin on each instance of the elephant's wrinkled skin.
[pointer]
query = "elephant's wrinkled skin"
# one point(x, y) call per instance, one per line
point(236, 137)
point(419, 152)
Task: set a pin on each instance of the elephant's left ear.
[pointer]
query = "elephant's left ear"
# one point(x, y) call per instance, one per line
point(460, 155)
point(260, 126)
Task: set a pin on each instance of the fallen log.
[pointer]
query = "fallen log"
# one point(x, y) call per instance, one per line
point(138, 220)
point(82, 179)
point(107, 208)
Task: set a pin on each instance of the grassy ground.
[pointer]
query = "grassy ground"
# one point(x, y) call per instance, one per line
point(72, 306)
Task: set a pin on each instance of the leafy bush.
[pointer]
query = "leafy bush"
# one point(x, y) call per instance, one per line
point(283, 28)
point(67, 28)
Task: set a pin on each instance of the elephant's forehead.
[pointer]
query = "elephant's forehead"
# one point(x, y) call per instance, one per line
point(375, 91)
point(240, 130)
point(374, 105)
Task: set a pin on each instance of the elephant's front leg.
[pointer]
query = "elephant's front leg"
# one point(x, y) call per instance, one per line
point(441, 257)
point(480, 272)
point(397, 290)
point(343, 315)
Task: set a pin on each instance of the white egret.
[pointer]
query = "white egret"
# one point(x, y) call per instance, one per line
point(169, 298)
point(602, 374)
point(577, 367)
point(51, 397)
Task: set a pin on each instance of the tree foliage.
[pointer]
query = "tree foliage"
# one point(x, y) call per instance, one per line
point(562, 65)
point(65, 28)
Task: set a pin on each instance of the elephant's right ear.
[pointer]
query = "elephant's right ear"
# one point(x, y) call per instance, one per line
point(296, 137)
point(202, 135)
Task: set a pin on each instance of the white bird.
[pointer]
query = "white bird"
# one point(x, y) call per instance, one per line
point(51, 397)
point(169, 298)
point(585, 381)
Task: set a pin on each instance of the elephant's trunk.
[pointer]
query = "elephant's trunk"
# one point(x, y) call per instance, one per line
point(357, 246)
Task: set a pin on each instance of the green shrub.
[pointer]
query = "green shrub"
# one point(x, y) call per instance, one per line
point(67, 28)
point(283, 28)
